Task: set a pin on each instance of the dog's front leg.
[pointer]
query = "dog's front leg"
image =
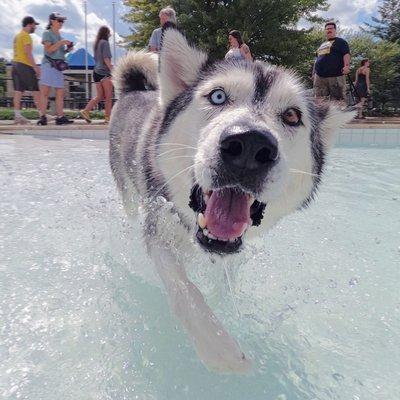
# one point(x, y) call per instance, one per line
point(215, 347)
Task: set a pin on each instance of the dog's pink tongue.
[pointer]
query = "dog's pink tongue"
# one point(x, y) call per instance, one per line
point(227, 213)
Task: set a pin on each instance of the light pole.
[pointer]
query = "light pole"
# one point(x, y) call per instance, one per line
point(86, 53)
point(113, 11)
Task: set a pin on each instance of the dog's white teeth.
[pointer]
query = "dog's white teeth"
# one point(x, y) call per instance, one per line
point(252, 199)
point(201, 220)
point(208, 234)
point(232, 240)
point(206, 198)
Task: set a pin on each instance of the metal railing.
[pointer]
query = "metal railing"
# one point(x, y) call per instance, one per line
point(76, 101)
point(69, 103)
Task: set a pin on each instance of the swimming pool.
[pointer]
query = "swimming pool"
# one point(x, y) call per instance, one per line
point(316, 304)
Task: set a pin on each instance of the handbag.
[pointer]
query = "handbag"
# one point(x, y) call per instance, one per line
point(59, 65)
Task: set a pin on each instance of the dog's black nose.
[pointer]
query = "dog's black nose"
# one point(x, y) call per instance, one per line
point(251, 150)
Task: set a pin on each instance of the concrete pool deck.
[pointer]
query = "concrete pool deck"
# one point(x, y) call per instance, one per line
point(370, 131)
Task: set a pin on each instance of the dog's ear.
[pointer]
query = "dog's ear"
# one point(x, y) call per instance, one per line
point(180, 64)
point(328, 119)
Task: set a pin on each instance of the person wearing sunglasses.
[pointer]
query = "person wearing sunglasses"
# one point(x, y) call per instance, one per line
point(55, 48)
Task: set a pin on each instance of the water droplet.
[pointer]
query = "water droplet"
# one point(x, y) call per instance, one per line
point(353, 281)
point(338, 377)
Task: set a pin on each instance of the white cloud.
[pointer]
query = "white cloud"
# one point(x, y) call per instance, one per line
point(12, 12)
point(347, 12)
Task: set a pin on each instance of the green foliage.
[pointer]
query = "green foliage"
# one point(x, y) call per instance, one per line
point(3, 82)
point(384, 59)
point(388, 25)
point(268, 26)
point(143, 19)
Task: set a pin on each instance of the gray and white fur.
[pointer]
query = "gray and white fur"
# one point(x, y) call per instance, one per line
point(191, 141)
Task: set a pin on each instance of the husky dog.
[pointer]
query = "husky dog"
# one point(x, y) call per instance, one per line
point(213, 153)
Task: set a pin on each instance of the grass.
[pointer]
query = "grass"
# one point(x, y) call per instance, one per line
point(31, 113)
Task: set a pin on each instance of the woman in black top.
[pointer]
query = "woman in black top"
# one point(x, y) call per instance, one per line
point(362, 85)
point(101, 75)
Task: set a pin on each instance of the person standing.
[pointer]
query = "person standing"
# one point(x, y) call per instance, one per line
point(25, 72)
point(362, 86)
point(167, 20)
point(237, 48)
point(55, 48)
point(331, 66)
point(101, 75)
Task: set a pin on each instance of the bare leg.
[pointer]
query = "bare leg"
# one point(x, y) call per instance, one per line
point(18, 118)
point(360, 107)
point(99, 96)
point(108, 89)
point(17, 100)
point(215, 347)
point(60, 102)
point(37, 100)
point(44, 98)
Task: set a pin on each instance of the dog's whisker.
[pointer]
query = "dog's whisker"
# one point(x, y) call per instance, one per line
point(298, 171)
point(174, 158)
point(173, 144)
point(172, 178)
point(170, 151)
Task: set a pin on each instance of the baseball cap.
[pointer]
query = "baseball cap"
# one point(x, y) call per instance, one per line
point(57, 15)
point(29, 20)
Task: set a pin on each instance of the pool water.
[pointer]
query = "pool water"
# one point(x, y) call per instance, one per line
point(315, 303)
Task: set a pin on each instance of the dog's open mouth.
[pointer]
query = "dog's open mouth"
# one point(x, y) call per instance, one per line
point(223, 216)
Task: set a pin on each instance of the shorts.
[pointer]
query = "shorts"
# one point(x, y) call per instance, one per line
point(98, 77)
point(51, 77)
point(333, 87)
point(24, 77)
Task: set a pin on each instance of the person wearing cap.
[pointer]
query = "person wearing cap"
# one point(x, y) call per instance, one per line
point(25, 72)
point(55, 48)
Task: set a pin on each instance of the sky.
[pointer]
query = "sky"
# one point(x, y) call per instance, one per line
point(350, 14)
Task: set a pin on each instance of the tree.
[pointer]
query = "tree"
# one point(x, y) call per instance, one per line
point(268, 26)
point(385, 73)
point(388, 25)
point(143, 18)
point(3, 81)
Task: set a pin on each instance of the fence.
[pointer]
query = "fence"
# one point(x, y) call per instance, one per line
point(76, 101)
point(69, 103)
point(378, 107)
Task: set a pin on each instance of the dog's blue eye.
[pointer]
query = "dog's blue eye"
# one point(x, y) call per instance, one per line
point(217, 97)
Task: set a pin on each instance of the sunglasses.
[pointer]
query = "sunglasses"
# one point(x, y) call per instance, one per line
point(61, 21)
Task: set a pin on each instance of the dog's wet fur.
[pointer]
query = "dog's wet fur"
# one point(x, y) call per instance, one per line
point(214, 153)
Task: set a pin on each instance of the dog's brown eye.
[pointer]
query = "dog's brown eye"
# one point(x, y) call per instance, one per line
point(292, 117)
